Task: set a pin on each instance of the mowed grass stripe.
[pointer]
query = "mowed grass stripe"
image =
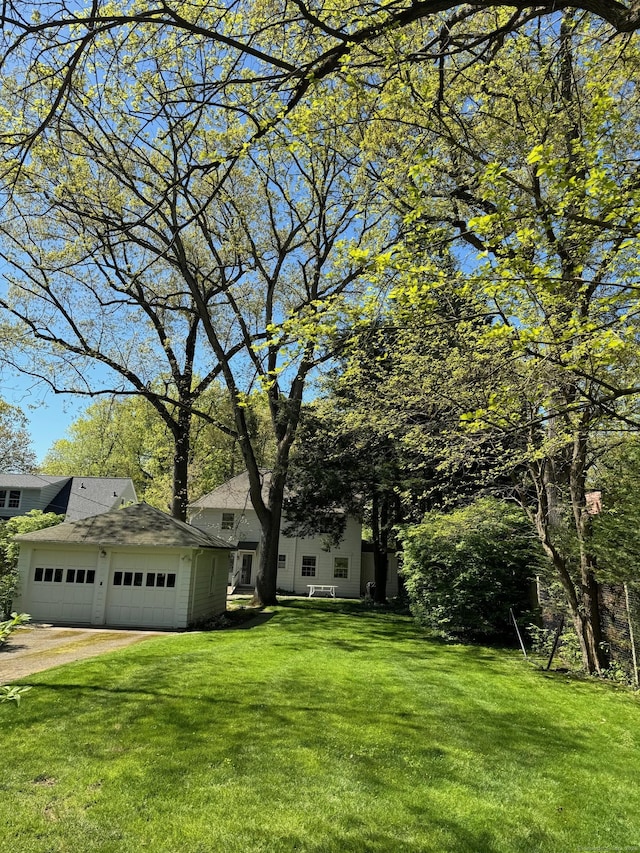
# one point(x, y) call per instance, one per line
point(325, 727)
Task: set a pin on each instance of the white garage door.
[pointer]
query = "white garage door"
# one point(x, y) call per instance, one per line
point(142, 591)
point(61, 587)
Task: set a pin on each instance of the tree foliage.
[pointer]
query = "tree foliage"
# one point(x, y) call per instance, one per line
point(465, 570)
point(524, 205)
point(126, 438)
point(16, 452)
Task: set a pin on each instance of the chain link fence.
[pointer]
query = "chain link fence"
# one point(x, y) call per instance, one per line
point(620, 626)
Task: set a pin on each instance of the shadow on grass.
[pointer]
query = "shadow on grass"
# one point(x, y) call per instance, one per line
point(253, 714)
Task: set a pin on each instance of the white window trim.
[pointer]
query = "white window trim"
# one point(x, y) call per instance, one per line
point(308, 566)
point(227, 521)
point(341, 577)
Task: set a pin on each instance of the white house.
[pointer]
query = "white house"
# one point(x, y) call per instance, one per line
point(226, 512)
point(130, 567)
point(73, 497)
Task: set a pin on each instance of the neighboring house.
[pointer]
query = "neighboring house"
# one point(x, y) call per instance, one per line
point(73, 497)
point(227, 512)
point(133, 567)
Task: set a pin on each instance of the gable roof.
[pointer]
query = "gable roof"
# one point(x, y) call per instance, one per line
point(73, 497)
point(138, 524)
point(85, 496)
point(234, 494)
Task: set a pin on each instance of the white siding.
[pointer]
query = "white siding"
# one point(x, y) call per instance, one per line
point(246, 524)
point(290, 579)
point(316, 546)
point(208, 594)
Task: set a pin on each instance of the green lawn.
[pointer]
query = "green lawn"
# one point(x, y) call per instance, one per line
point(325, 727)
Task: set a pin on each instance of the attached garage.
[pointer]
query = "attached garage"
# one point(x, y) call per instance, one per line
point(131, 567)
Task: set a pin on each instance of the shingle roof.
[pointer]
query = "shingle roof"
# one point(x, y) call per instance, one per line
point(138, 524)
point(91, 496)
point(234, 494)
point(29, 481)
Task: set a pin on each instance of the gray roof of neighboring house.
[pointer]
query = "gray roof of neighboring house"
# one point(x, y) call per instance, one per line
point(234, 494)
point(92, 496)
point(75, 497)
point(29, 481)
point(135, 525)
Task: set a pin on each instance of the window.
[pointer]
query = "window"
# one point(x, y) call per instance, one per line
point(228, 520)
point(341, 567)
point(72, 575)
point(282, 562)
point(155, 579)
point(308, 567)
point(10, 499)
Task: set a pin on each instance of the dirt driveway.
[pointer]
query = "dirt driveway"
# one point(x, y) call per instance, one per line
point(34, 648)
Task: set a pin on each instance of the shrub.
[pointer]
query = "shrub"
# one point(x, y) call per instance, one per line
point(464, 570)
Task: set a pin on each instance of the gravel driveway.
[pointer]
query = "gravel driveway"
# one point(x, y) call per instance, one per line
point(37, 647)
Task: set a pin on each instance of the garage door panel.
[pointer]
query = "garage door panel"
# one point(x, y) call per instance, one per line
point(142, 591)
point(62, 587)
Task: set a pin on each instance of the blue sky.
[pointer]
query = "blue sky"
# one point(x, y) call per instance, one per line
point(49, 414)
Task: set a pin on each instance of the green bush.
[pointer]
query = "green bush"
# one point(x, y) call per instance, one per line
point(464, 570)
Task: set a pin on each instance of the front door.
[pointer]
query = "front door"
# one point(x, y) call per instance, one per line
point(245, 575)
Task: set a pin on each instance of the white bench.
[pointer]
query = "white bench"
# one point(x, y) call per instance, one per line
point(326, 588)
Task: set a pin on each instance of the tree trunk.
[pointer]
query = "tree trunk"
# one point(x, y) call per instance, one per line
point(182, 443)
point(270, 518)
point(380, 534)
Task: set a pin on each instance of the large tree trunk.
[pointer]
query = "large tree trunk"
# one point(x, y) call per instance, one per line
point(270, 517)
point(182, 446)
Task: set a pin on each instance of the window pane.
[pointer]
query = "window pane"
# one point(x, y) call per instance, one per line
point(80, 576)
point(3, 497)
point(341, 567)
point(128, 578)
point(151, 578)
point(308, 567)
point(39, 574)
point(71, 575)
point(137, 579)
point(48, 574)
point(91, 576)
point(160, 579)
point(171, 580)
point(117, 578)
point(227, 520)
point(57, 575)
point(14, 499)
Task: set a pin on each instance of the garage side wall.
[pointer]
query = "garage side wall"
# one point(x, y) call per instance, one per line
point(208, 594)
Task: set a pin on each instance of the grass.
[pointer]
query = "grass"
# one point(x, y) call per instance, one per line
point(322, 727)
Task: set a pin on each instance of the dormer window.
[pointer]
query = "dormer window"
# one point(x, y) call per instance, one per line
point(228, 520)
point(10, 498)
